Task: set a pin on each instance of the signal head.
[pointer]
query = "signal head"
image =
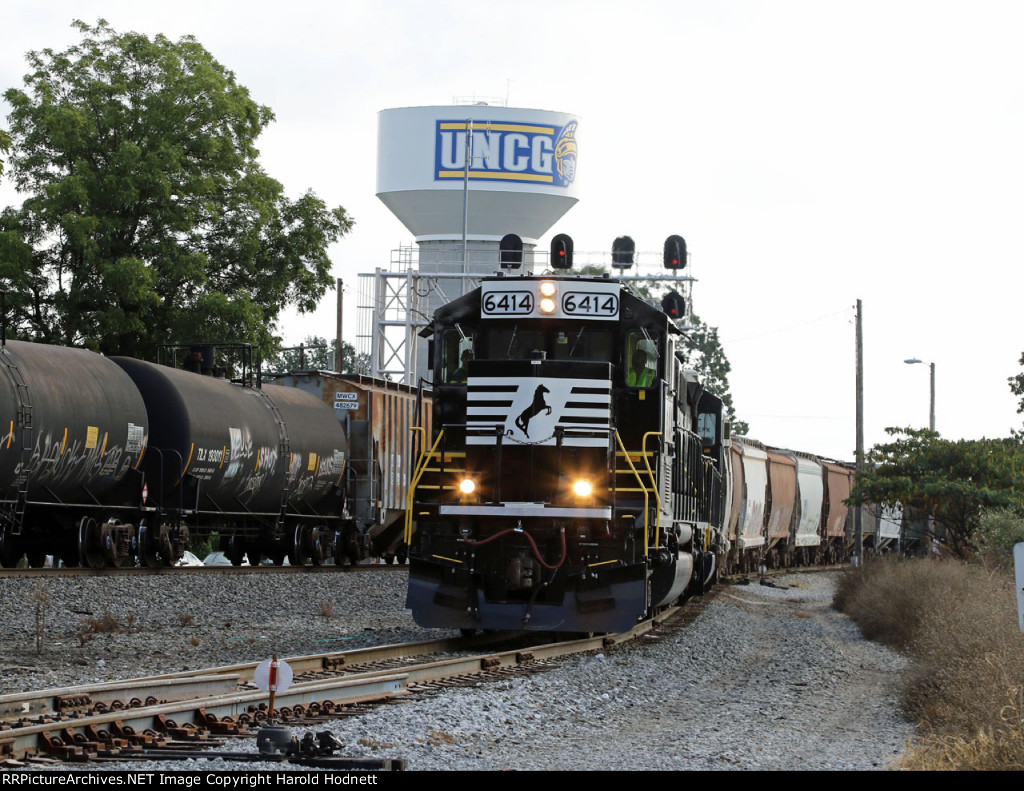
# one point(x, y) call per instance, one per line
point(561, 251)
point(622, 252)
point(675, 252)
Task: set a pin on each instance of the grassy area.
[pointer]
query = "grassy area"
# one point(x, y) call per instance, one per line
point(958, 624)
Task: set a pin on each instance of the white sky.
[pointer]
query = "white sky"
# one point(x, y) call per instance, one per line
point(811, 152)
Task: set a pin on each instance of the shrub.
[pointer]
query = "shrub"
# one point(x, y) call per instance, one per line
point(958, 624)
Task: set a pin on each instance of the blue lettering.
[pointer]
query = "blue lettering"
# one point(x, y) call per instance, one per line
point(453, 150)
point(540, 161)
point(514, 161)
point(487, 147)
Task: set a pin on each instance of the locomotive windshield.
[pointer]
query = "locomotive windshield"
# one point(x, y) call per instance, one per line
point(571, 343)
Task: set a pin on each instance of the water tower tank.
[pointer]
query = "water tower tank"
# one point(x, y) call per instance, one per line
point(522, 175)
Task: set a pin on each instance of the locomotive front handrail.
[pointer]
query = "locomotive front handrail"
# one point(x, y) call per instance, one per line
point(639, 480)
point(654, 487)
point(417, 474)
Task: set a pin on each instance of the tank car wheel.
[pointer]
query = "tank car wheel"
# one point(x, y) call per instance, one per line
point(10, 552)
point(90, 548)
point(108, 543)
point(298, 554)
point(147, 547)
point(166, 545)
point(314, 538)
point(234, 549)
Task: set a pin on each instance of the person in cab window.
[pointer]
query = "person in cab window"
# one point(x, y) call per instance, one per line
point(643, 364)
point(461, 374)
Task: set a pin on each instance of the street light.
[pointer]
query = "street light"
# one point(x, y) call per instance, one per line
point(931, 411)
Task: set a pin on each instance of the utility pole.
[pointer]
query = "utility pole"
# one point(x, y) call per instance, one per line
point(337, 349)
point(858, 513)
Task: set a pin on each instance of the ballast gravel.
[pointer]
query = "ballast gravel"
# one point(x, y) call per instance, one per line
point(765, 678)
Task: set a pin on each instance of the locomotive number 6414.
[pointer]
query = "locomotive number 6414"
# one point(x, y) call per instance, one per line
point(508, 303)
point(581, 303)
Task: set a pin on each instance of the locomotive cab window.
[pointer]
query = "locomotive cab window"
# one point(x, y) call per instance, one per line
point(641, 360)
point(707, 428)
point(582, 343)
point(457, 351)
point(514, 343)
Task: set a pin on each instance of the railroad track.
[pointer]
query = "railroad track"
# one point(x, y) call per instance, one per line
point(170, 570)
point(180, 714)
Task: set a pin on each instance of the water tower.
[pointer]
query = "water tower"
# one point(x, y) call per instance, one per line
point(522, 178)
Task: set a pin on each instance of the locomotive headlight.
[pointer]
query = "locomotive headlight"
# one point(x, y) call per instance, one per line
point(582, 488)
point(467, 486)
point(547, 288)
point(547, 305)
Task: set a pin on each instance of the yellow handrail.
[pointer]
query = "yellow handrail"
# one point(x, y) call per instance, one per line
point(640, 481)
point(416, 475)
point(654, 487)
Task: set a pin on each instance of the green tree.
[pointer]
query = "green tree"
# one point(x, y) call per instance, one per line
point(1017, 388)
point(954, 482)
point(5, 146)
point(316, 353)
point(707, 357)
point(704, 350)
point(149, 218)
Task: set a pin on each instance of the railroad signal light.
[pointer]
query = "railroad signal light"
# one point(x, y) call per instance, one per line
point(675, 252)
point(561, 252)
point(510, 251)
point(622, 252)
point(674, 305)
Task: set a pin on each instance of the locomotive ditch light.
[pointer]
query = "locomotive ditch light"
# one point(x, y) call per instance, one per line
point(582, 488)
point(467, 486)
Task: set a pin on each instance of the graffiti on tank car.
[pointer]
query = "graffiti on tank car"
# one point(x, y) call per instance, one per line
point(57, 463)
point(241, 452)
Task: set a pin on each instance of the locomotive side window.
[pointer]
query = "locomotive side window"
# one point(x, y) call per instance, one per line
point(707, 428)
point(641, 360)
point(457, 351)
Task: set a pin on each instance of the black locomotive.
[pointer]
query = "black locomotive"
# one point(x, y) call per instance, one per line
point(573, 479)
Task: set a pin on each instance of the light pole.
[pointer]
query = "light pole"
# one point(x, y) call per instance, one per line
point(931, 411)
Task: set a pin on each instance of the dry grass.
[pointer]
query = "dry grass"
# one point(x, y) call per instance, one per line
point(41, 599)
point(958, 624)
point(326, 609)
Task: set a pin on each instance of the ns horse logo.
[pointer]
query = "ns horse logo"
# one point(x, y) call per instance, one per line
point(539, 405)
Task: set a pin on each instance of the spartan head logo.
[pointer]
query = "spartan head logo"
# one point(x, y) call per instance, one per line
point(565, 153)
point(539, 405)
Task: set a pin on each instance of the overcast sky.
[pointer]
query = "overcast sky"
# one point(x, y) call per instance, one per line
point(811, 153)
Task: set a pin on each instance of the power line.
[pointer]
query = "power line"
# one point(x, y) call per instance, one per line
point(789, 327)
